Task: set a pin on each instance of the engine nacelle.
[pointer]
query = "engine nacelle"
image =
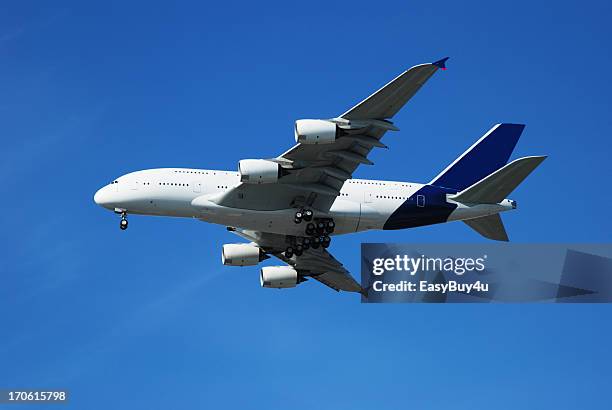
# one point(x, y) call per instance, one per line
point(241, 254)
point(315, 132)
point(278, 277)
point(258, 171)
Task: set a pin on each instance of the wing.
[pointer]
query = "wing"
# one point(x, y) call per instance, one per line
point(314, 173)
point(315, 263)
point(387, 101)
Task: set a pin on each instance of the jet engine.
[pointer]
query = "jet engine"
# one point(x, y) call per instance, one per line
point(258, 171)
point(278, 277)
point(315, 132)
point(241, 254)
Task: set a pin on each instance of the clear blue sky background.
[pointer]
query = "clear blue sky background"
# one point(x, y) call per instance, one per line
point(148, 318)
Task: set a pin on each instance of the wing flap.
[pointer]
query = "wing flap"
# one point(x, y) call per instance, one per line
point(327, 270)
point(338, 282)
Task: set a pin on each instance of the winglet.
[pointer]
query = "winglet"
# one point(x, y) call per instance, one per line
point(441, 63)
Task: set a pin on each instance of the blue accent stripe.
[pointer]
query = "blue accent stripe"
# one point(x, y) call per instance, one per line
point(427, 206)
point(489, 154)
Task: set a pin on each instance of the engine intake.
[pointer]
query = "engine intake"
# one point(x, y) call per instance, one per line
point(241, 254)
point(278, 277)
point(258, 171)
point(316, 132)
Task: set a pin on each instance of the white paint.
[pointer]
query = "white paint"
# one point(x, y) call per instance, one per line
point(191, 193)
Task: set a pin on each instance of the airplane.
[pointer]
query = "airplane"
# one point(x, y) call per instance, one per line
point(290, 206)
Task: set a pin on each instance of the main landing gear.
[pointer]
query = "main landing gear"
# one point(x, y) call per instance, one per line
point(303, 214)
point(302, 244)
point(316, 233)
point(321, 227)
point(123, 224)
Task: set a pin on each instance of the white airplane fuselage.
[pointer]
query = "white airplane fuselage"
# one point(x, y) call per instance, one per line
point(362, 204)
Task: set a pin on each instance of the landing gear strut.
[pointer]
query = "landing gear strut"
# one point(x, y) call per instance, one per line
point(123, 224)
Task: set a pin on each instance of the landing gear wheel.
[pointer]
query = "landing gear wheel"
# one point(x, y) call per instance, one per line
point(123, 224)
point(331, 225)
point(315, 243)
point(310, 229)
point(289, 252)
point(298, 250)
point(321, 227)
point(325, 241)
point(306, 243)
point(308, 214)
point(298, 217)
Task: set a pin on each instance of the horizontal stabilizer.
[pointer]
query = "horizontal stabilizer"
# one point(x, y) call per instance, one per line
point(496, 187)
point(490, 227)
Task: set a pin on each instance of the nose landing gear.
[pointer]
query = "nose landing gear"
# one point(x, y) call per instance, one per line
point(123, 224)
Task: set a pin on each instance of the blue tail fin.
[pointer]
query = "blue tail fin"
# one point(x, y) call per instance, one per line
point(487, 155)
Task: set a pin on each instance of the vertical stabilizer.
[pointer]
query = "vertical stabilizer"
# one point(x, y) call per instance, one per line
point(487, 155)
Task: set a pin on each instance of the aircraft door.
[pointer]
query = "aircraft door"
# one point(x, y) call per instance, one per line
point(197, 186)
point(420, 201)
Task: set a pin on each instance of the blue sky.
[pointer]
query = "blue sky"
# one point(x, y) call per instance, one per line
point(148, 318)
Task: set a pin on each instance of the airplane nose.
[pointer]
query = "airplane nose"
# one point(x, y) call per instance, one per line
point(98, 197)
point(101, 197)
